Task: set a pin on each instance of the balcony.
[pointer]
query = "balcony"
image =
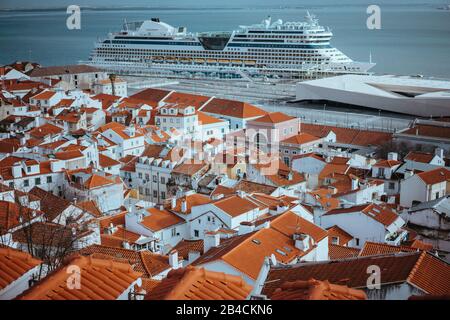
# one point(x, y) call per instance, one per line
point(395, 238)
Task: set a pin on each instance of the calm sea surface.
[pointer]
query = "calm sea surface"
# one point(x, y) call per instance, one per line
point(413, 39)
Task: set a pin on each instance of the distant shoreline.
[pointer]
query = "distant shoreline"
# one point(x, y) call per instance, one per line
point(134, 8)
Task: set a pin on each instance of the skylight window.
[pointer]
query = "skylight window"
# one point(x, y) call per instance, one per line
point(281, 252)
point(256, 241)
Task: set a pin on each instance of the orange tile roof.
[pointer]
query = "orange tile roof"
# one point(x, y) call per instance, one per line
point(44, 95)
point(44, 130)
point(151, 96)
point(418, 156)
point(91, 207)
point(382, 214)
point(316, 290)
point(160, 219)
point(182, 98)
point(185, 246)
point(429, 131)
point(235, 206)
point(247, 252)
point(431, 275)
point(324, 197)
point(106, 161)
point(336, 252)
point(97, 181)
point(387, 163)
point(347, 135)
point(423, 270)
point(205, 119)
point(435, 176)
point(14, 264)
point(376, 248)
point(145, 262)
point(101, 279)
point(199, 284)
point(343, 236)
point(418, 244)
point(331, 168)
point(300, 139)
point(192, 200)
point(277, 172)
point(232, 108)
point(274, 117)
point(69, 155)
point(126, 235)
point(12, 215)
point(190, 169)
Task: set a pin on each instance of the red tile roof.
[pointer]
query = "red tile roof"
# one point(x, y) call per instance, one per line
point(418, 156)
point(232, 108)
point(384, 215)
point(343, 236)
point(199, 284)
point(300, 139)
point(151, 96)
point(187, 99)
point(44, 130)
point(192, 200)
point(101, 279)
point(422, 270)
point(274, 117)
point(235, 206)
point(336, 252)
point(145, 262)
point(347, 135)
point(205, 119)
point(316, 290)
point(435, 176)
point(387, 163)
point(160, 219)
point(14, 264)
point(185, 246)
point(375, 248)
point(247, 252)
point(429, 131)
point(106, 161)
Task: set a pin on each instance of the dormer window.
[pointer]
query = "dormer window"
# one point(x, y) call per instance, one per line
point(28, 169)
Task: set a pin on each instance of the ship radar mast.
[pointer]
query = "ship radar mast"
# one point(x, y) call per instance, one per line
point(310, 18)
point(267, 22)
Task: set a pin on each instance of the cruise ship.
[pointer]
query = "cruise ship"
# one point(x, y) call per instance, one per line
point(269, 50)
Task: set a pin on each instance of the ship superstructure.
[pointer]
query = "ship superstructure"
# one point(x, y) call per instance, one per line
point(280, 50)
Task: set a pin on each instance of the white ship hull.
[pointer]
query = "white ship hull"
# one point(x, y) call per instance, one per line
point(267, 51)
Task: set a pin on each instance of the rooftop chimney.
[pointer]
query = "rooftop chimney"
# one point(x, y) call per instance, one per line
point(439, 152)
point(17, 170)
point(302, 241)
point(393, 156)
point(212, 240)
point(354, 183)
point(184, 205)
point(173, 259)
point(173, 203)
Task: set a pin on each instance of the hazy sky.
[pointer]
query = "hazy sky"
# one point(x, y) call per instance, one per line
point(200, 3)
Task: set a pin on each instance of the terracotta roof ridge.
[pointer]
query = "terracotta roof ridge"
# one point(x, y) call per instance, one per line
point(416, 266)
